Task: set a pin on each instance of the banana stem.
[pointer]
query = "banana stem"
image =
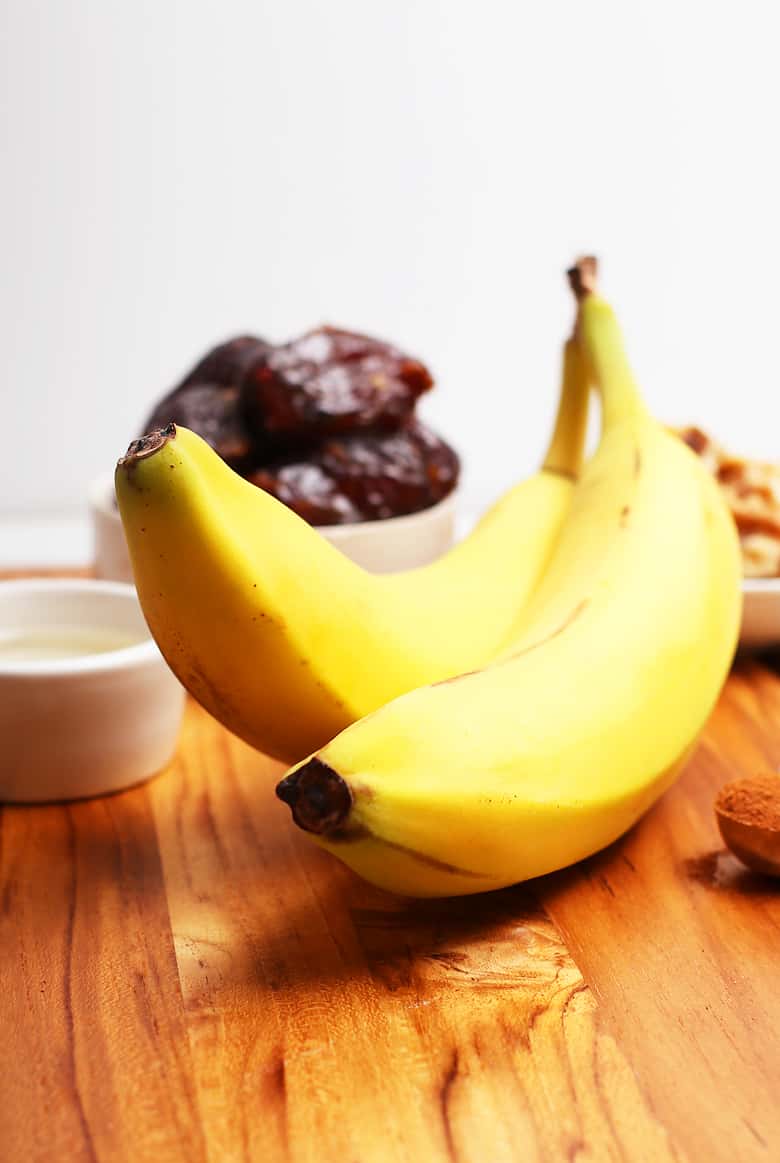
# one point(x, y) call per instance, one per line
point(600, 339)
point(318, 796)
point(566, 450)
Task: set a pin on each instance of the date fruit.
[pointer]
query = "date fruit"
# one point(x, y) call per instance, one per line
point(213, 412)
point(227, 363)
point(331, 381)
point(325, 423)
point(364, 476)
point(208, 399)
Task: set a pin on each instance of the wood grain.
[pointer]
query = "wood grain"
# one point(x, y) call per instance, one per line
point(681, 944)
point(363, 1026)
point(95, 1060)
point(183, 976)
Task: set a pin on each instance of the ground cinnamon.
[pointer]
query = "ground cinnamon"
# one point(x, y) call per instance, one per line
point(753, 800)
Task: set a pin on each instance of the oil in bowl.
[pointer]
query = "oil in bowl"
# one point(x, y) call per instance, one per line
point(56, 643)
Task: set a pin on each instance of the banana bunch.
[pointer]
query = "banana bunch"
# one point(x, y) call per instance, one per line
point(555, 747)
point(280, 636)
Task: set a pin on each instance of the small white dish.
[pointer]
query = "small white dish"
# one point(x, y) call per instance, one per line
point(760, 612)
point(387, 546)
point(87, 702)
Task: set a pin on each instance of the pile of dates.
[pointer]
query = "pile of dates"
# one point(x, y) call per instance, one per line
point(325, 423)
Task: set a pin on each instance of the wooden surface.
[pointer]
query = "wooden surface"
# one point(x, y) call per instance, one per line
point(185, 977)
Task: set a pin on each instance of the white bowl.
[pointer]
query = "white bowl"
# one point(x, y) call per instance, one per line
point(379, 546)
point(760, 612)
point(80, 726)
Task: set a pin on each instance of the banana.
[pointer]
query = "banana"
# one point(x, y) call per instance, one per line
point(585, 717)
point(280, 636)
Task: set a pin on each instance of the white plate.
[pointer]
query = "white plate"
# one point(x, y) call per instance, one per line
point(760, 613)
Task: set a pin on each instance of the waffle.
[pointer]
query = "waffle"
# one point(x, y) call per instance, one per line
point(752, 491)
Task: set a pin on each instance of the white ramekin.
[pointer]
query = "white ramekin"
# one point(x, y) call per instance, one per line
point(83, 726)
point(379, 546)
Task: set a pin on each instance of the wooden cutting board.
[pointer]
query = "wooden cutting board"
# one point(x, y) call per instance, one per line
point(184, 976)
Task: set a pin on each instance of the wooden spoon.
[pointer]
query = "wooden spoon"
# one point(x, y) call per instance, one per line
point(748, 814)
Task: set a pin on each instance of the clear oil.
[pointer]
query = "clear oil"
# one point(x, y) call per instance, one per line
point(55, 643)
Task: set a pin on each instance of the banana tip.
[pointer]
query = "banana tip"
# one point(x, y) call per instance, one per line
point(146, 446)
point(320, 800)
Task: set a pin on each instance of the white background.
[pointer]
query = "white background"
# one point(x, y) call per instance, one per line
point(177, 172)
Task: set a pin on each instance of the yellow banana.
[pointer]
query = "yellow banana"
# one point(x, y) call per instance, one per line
point(558, 746)
point(280, 636)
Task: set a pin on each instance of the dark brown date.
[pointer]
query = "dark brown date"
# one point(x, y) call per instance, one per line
point(331, 381)
point(208, 399)
point(213, 412)
point(227, 363)
point(324, 423)
point(389, 474)
point(307, 488)
point(364, 476)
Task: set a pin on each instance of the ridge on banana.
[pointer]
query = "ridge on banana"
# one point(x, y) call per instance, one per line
point(559, 744)
point(277, 633)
